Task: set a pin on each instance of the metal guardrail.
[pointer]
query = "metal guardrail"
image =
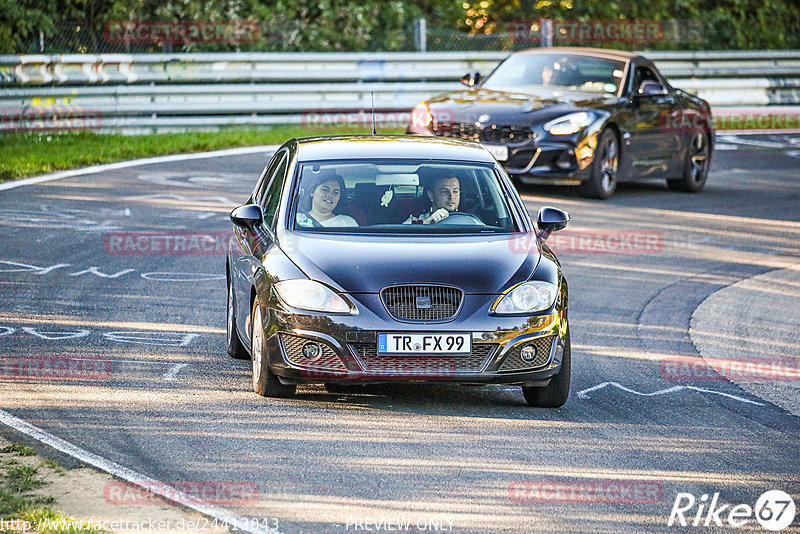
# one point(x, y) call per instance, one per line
point(178, 91)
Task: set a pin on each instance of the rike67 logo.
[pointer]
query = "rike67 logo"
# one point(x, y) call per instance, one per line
point(774, 510)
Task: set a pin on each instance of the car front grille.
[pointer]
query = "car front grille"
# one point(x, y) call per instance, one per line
point(425, 365)
point(457, 130)
point(514, 362)
point(422, 302)
point(492, 134)
point(293, 349)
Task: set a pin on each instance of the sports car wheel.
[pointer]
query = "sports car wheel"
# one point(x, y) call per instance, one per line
point(602, 181)
point(235, 347)
point(265, 383)
point(695, 168)
point(554, 394)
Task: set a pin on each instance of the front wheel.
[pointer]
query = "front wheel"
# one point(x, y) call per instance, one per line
point(602, 181)
point(695, 168)
point(265, 383)
point(235, 347)
point(554, 394)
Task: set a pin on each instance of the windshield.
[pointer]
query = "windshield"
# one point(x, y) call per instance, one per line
point(557, 71)
point(399, 197)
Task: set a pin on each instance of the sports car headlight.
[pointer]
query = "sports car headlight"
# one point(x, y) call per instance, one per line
point(569, 124)
point(311, 295)
point(528, 297)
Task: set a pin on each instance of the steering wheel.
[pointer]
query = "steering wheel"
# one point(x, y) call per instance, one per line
point(461, 217)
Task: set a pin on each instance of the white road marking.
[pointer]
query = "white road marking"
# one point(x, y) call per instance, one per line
point(751, 142)
point(172, 196)
point(25, 267)
point(584, 394)
point(56, 335)
point(160, 339)
point(135, 163)
point(7, 330)
point(128, 475)
point(182, 277)
point(173, 371)
point(95, 271)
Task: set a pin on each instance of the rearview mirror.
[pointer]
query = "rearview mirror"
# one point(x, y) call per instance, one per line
point(471, 79)
point(650, 88)
point(248, 216)
point(551, 220)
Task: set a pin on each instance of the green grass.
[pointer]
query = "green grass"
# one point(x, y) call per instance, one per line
point(17, 502)
point(19, 450)
point(32, 154)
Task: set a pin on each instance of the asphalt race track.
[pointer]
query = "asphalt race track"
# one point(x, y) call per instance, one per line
point(162, 398)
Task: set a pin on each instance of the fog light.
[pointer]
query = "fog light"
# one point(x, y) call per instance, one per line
point(312, 351)
point(528, 353)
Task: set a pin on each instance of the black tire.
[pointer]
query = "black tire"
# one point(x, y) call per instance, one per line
point(695, 167)
point(235, 346)
point(554, 394)
point(602, 181)
point(265, 383)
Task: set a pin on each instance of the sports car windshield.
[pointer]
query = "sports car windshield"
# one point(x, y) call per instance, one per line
point(399, 197)
point(557, 71)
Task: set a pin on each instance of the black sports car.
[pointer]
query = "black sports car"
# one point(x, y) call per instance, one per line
point(362, 259)
point(579, 116)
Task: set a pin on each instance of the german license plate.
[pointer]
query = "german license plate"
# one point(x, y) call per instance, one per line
point(424, 343)
point(499, 152)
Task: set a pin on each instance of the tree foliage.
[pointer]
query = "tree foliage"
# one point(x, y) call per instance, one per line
point(374, 25)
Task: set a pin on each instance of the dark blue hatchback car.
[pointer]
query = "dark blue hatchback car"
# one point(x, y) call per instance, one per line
point(369, 259)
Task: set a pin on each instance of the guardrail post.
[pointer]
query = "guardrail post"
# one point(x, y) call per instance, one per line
point(421, 35)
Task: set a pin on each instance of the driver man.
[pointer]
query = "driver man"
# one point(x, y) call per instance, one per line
point(444, 196)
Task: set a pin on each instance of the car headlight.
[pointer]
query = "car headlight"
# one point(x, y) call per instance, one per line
point(421, 115)
point(569, 124)
point(311, 295)
point(528, 297)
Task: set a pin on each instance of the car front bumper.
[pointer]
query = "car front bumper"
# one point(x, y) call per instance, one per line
point(349, 349)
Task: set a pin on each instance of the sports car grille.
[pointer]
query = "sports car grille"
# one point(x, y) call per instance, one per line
point(514, 362)
point(496, 135)
point(422, 303)
point(293, 348)
point(456, 129)
point(423, 365)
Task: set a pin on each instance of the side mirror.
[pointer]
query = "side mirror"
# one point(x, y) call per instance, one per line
point(471, 79)
point(551, 220)
point(248, 216)
point(650, 88)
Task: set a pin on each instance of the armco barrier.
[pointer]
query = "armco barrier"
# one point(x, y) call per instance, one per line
point(149, 92)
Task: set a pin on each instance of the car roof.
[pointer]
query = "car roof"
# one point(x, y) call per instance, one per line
point(607, 53)
point(389, 146)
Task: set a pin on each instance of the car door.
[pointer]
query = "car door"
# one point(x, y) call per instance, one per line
point(651, 148)
point(252, 244)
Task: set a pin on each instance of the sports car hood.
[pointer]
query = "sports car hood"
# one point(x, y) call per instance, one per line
point(511, 108)
point(368, 263)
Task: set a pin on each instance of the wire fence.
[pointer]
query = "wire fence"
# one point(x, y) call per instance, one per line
point(75, 37)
